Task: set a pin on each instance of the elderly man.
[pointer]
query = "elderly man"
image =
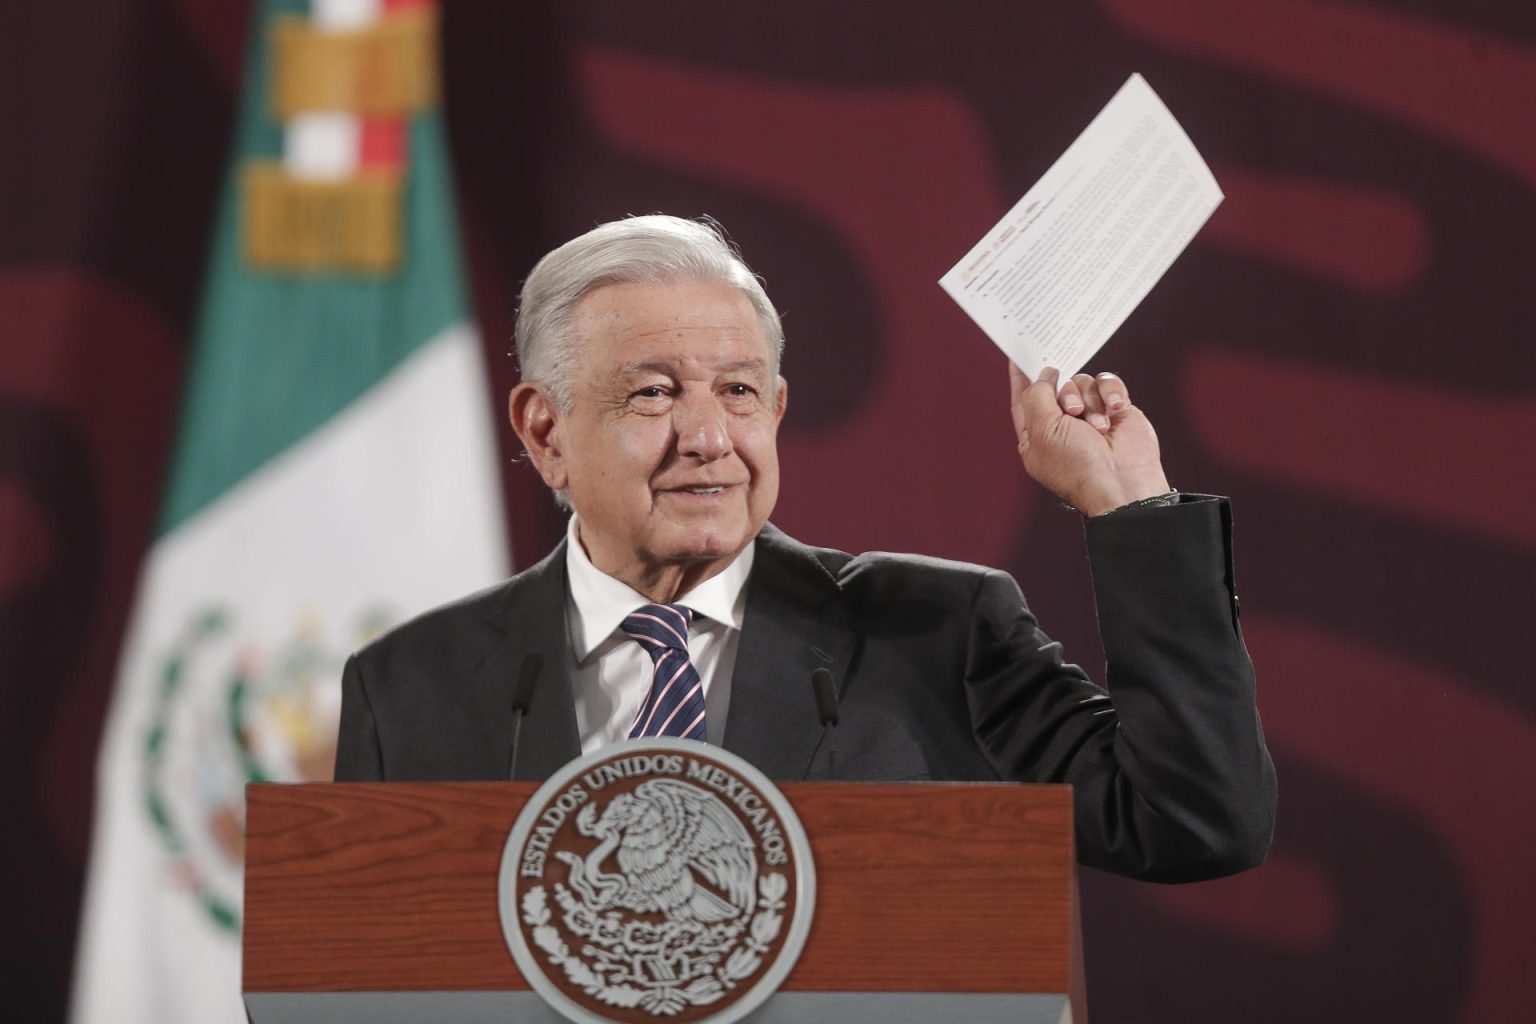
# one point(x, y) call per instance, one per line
point(650, 403)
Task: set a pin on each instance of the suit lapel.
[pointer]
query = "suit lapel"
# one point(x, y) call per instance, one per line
point(530, 620)
point(792, 627)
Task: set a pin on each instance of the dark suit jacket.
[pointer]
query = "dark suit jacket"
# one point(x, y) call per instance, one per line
point(943, 674)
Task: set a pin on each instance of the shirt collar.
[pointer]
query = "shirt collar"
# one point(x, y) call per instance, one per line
point(601, 602)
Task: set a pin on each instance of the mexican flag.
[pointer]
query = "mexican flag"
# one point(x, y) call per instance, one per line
point(334, 472)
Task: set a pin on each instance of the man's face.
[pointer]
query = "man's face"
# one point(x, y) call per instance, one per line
point(669, 450)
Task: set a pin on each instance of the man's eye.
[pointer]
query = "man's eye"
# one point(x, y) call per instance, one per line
point(740, 390)
point(654, 391)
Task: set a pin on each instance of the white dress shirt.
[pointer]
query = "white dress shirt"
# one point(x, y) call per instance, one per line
point(612, 673)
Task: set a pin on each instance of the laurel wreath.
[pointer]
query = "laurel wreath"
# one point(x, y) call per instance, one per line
point(663, 999)
point(204, 627)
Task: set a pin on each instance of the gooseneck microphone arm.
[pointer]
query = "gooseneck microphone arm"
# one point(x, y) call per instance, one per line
point(826, 709)
point(522, 696)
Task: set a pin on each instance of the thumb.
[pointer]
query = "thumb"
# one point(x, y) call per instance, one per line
point(1035, 407)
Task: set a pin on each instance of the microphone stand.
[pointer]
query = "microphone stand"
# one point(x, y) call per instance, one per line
point(826, 708)
point(522, 696)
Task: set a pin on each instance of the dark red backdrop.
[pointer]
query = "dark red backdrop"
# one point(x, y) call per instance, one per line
point(1346, 350)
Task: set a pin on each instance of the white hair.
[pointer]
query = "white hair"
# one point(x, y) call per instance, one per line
point(654, 249)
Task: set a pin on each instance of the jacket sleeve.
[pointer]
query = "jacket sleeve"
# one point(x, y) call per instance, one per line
point(1172, 780)
point(358, 758)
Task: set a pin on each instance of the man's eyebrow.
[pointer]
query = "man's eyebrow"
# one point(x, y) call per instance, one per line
point(742, 364)
point(651, 366)
point(668, 367)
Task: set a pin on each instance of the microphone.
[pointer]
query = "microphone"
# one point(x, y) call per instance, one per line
point(826, 709)
point(522, 695)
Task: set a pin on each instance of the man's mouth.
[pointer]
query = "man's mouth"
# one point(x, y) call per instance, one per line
point(701, 490)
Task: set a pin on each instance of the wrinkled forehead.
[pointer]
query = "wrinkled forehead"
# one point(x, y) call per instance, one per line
point(698, 324)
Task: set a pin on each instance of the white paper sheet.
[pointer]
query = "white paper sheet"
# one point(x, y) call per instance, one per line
point(1061, 272)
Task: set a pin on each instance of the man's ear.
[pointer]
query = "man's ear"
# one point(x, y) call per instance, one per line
point(780, 399)
point(537, 423)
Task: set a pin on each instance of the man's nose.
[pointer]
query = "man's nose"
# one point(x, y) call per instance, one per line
point(702, 428)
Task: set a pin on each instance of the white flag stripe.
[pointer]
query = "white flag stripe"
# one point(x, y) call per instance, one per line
point(322, 145)
point(344, 15)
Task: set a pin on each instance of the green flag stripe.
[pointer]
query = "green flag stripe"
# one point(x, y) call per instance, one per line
point(279, 354)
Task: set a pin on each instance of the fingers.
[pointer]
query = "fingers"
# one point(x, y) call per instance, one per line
point(1070, 398)
point(1100, 398)
point(1116, 396)
point(1094, 399)
point(1091, 402)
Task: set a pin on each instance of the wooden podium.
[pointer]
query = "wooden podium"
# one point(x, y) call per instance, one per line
point(936, 902)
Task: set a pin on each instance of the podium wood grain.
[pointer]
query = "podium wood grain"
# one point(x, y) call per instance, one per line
point(921, 887)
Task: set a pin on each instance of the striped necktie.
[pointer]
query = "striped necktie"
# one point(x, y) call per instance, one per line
point(675, 706)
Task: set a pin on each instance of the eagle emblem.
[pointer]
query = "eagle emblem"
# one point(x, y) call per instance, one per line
point(680, 854)
point(644, 879)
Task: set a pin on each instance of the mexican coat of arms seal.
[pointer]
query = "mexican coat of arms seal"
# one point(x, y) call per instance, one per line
point(657, 879)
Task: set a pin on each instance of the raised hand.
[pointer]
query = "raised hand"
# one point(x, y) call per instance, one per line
point(1086, 444)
